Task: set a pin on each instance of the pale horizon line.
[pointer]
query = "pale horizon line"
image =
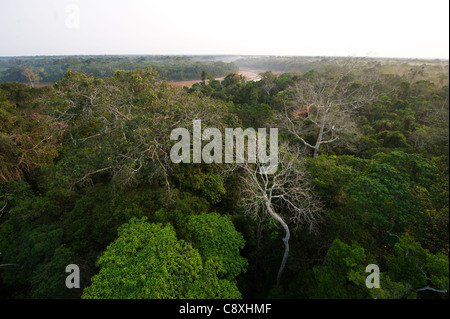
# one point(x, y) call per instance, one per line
point(224, 54)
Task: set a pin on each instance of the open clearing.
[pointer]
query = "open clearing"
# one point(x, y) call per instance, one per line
point(249, 73)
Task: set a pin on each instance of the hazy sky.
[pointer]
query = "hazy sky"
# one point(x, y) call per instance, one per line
point(378, 28)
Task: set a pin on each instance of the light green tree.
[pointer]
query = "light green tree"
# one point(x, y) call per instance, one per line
point(217, 240)
point(148, 261)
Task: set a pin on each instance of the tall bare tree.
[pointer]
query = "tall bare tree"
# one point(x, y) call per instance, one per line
point(286, 190)
point(32, 76)
point(324, 101)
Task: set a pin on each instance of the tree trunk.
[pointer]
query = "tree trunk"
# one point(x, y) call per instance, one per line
point(285, 239)
point(316, 151)
point(318, 142)
point(285, 256)
point(320, 136)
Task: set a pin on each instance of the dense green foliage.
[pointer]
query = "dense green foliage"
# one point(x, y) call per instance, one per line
point(343, 274)
point(148, 261)
point(86, 178)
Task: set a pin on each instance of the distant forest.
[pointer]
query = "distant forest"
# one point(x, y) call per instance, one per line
point(51, 69)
